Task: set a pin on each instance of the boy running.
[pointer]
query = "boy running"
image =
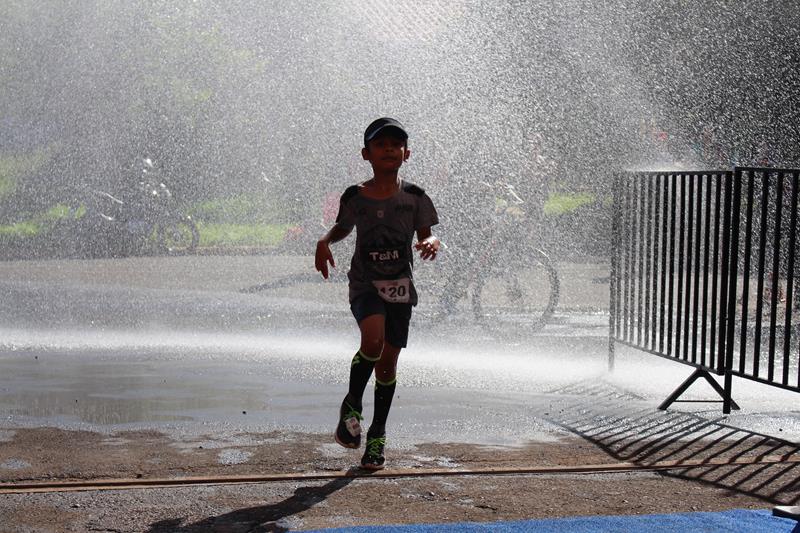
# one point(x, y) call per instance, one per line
point(386, 211)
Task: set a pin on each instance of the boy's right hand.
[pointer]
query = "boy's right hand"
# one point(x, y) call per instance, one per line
point(322, 257)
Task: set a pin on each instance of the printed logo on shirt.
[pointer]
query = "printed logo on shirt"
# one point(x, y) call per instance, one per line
point(379, 256)
point(384, 252)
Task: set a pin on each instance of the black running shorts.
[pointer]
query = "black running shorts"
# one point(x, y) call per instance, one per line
point(396, 316)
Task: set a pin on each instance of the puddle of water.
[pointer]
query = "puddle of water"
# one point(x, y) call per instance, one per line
point(233, 457)
point(14, 464)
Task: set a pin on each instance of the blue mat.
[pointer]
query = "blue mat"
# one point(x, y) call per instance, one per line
point(736, 521)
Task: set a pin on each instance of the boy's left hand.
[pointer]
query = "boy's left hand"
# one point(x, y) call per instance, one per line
point(428, 248)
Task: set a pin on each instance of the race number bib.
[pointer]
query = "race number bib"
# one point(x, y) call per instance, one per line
point(396, 291)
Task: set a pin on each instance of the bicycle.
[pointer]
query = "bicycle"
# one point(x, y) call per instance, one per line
point(508, 294)
point(98, 224)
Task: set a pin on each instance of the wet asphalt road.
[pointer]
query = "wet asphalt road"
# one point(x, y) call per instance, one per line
point(173, 343)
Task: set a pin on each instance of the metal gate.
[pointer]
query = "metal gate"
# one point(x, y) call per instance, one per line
point(703, 272)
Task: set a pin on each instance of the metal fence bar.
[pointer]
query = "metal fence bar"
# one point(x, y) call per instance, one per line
point(681, 269)
point(748, 247)
point(623, 265)
point(690, 180)
point(762, 251)
point(763, 200)
point(790, 270)
point(648, 250)
point(706, 268)
point(640, 210)
point(775, 275)
point(697, 271)
point(671, 279)
point(633, 262)
point(724, 278)
point(715, 298)
point(614, 289)
point(656, 274)
point(628, 247)
point(664, 256)
point(733, 267)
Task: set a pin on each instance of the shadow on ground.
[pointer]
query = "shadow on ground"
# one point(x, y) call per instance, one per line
point(261, 519)
point(614, 421)
point(647, 436)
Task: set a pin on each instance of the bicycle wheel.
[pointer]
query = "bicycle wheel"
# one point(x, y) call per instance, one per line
point(439, 302)
point(178, 236)
point(515, 300)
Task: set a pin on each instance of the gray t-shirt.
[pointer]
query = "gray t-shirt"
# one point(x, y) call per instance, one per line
point(383, 257)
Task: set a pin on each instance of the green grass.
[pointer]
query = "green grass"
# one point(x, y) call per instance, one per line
point(242, 220)
point(15, 167)
point(36, 224)
point(20, 229)
point(564, 203)
point(40, 222)
point(211, 233)
point(243, 209)
point(7, 185)
point(226, 234)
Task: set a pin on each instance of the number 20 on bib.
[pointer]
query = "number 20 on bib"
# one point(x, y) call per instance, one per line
point(396, 291)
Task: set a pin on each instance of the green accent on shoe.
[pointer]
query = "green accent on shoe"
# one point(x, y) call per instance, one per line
point(373, 458)
point(348, 430)
point(375, 446)
point(351, 412)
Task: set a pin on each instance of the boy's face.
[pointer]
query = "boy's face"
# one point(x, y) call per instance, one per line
point(386, 152)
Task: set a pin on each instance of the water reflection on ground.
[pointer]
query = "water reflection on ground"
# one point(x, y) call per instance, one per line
point(177, 353)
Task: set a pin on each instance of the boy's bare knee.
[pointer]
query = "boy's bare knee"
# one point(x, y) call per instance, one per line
point(372, 347)
point(386, 375)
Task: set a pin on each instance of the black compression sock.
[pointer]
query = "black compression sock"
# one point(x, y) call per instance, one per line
point(360, 372)
point(384, 393)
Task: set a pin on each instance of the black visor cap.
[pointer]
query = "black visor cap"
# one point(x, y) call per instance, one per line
point(384, 124)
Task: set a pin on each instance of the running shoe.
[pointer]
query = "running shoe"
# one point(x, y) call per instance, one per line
point(348, 431)
point(373, 455)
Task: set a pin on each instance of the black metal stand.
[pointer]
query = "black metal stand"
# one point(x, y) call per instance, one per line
point(787, 511)
point(698, 373)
